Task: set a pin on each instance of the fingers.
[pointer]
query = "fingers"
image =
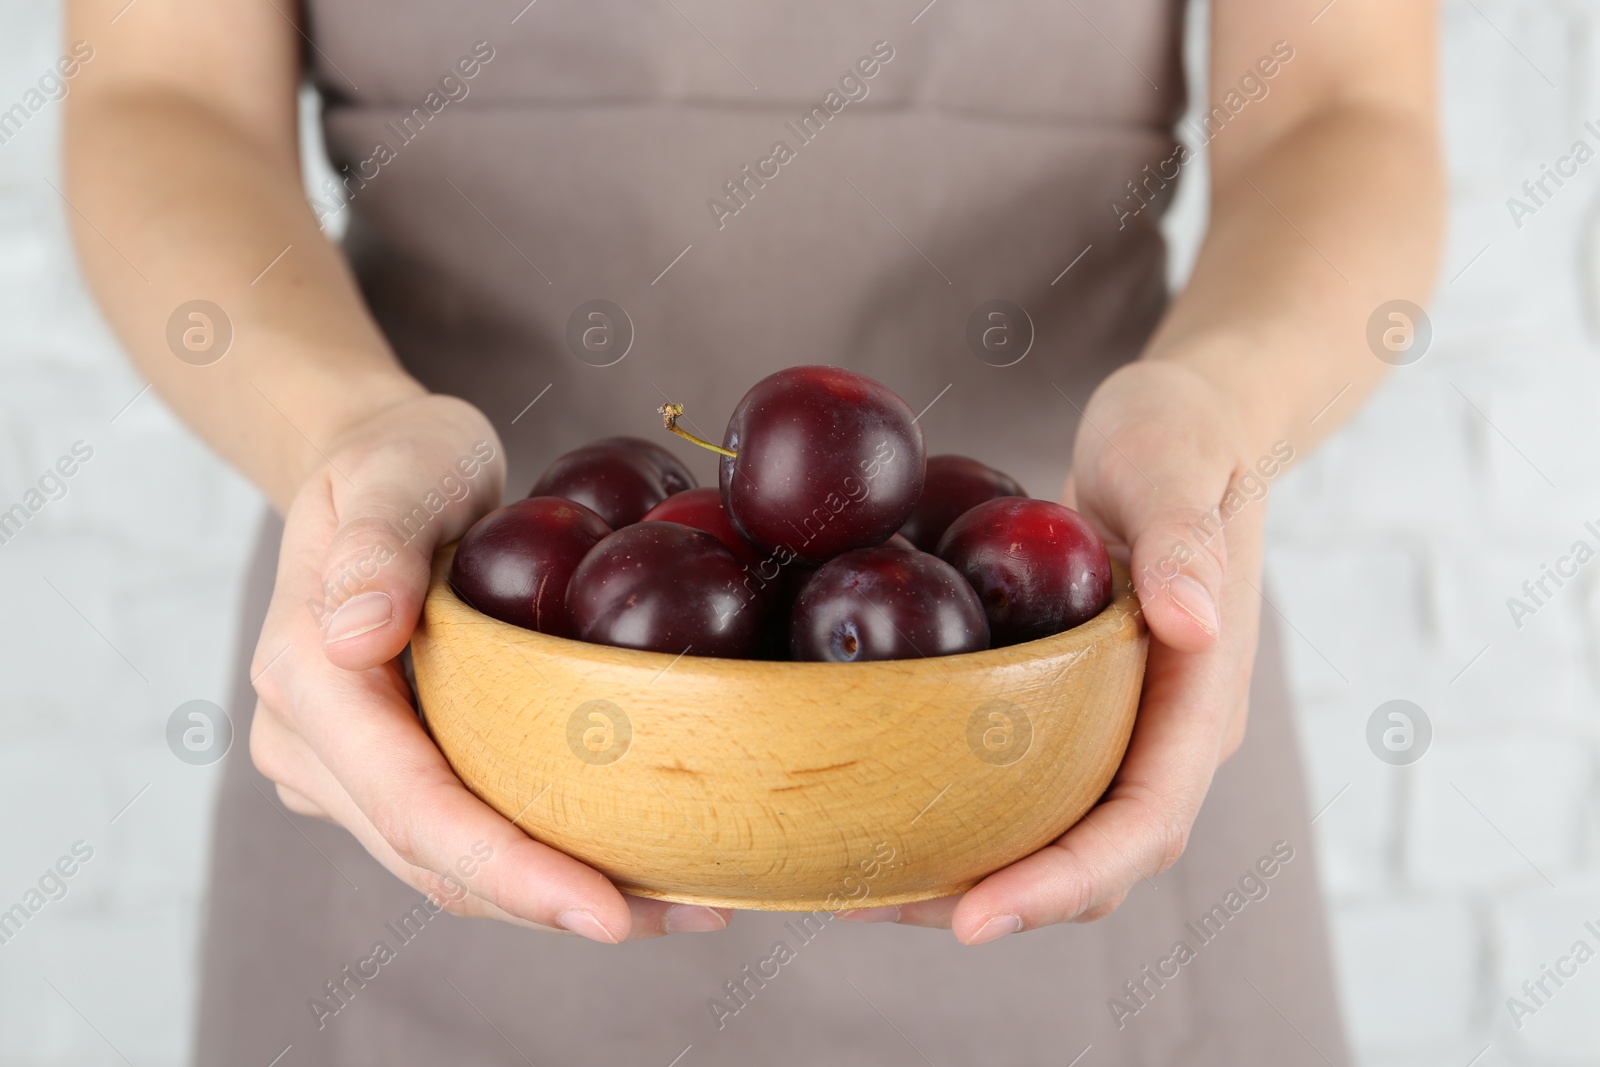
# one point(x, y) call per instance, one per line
point(378, 561)
point(651, 917)
point(936, 914)
point(375, 575)
point(336, 730)
point(301, 804)
point(1237, 722)
point(1100, 911)
point(282, 755)
point(365, 760)
point(415, 477)
point(930, 913)
point(359, 727)
point(1190, 712)
point(1178, 554)
point(1155, 462)
point(280, 752)
point(1192, 715)
point(423, 812)
point(1153, 469)
point(1131, 837)
point(1178, 562)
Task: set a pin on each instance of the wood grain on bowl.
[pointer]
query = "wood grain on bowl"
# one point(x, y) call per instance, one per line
point(781, 786)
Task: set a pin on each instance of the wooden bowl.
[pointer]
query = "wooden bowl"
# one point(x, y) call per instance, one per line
point(781, 786)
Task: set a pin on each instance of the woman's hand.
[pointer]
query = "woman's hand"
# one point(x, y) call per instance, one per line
point(1325, 203)
point(1157, 450)
point(335, 728)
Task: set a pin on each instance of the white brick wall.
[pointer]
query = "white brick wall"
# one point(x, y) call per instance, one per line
point(148, 544)
point(1494, 811)
point(1531, 932)
point(1393, 550)
point(1398, 949)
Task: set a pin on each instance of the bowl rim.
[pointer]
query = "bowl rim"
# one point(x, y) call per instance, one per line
point(441, 598)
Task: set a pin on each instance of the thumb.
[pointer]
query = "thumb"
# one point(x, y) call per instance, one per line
point(1176, 529)
point(379, 559)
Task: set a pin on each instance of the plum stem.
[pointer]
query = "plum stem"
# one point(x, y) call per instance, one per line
point(670, 414)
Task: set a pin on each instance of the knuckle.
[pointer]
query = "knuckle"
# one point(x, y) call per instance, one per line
point(445, 891)
point(1215, 548)
point(1077, 886)
point(395, 826)
point(1080, 899)
point(460, 907)
point(1187, 541)
point(1100, 911)
point(1172, 840)
point(299, 804)
point(375, 540)
point(1238, 723)
point(266, 753)
point(358, 553)
point(369, 530)
point(1203, 535)
point(1233, 740)
point(267, 676)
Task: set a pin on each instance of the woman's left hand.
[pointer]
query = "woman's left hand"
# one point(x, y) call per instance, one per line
point(1158, 450)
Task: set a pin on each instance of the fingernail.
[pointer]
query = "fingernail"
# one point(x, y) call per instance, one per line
point(693, 919)
point(584, 924)
point(1195, 601)
point(886, 914)
point(359, 615)
point(996, 928)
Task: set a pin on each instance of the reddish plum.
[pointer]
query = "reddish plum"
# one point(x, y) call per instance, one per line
point(827, 461)
point(702, 509)
point(1038, 567)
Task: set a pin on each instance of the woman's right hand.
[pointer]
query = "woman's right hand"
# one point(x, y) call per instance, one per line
point(335, 726)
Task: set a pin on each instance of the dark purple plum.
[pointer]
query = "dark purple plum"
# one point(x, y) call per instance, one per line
point(619, 478)
point(764, 577)
point(827, 461)
point(664, 587)
point(954, 485)
point(885, 603)
point(515, 562)
point(1038, 567)
point(675, 477)
point(702, 509)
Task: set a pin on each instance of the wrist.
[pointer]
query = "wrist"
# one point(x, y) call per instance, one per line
point(1148, 408)
point(327, 413)
point(1249, 381)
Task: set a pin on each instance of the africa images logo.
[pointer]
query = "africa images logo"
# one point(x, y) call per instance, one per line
point(1536, 192)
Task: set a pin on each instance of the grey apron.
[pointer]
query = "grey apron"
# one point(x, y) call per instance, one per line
point(507, 167)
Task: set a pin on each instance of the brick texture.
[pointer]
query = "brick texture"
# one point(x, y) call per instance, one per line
point(1393, 551)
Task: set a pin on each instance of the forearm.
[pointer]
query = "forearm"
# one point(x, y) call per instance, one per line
point(174, 202)
point(1333, 218)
